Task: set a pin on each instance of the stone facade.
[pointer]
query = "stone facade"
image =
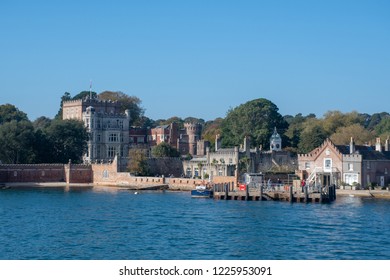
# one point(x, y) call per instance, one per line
point(107, 127)
point(233, 161)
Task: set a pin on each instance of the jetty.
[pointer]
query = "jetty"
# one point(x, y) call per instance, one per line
point(288, 193)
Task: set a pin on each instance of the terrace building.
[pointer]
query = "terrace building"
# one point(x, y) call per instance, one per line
point(347, 165)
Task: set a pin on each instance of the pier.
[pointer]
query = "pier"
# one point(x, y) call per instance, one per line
point(288, 193)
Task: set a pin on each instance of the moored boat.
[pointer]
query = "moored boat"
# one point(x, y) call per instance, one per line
point(202, 192)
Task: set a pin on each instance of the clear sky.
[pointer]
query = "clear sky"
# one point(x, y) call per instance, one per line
point(198, 58)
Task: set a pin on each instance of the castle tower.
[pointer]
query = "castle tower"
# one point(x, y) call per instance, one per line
point(275, 141)
point(194, 132)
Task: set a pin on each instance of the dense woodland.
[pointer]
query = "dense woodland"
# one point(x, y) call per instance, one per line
point(47, 140)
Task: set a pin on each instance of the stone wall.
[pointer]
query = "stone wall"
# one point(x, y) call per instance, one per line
point(99, 174)
point(45, 173)
point(166, 166)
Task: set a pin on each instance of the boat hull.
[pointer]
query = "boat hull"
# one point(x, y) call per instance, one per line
point(202, 193)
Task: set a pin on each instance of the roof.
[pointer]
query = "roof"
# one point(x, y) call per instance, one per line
point(367, 152)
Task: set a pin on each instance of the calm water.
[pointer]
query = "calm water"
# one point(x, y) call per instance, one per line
point(112, 224)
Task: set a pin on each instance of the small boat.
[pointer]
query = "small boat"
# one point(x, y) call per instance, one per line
point(202, 192)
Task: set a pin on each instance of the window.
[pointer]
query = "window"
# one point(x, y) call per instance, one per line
point(327, 164)
point(98, 138)
point(105, 174)
point(111, 151)
point(385, 170)
point(230, 160)
point(307, 165)
point(113, 137)
point(350, 166)
point(368, 165)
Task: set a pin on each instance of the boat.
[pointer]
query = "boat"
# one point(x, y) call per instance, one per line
point(202, 192)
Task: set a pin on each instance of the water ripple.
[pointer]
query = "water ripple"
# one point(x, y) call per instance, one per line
point(91, 224)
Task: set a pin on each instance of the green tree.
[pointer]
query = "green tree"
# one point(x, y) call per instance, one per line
point(68, 140)
point(132, 103)
point(256, 118)
point(375, 119)
point(42, 123)
point(84, 94)
point(312, 136)
point(43, 152)
point(296, 126)
point(9, 112)
point(65, 97)
point(211, 130)
point(334, 120)
point(138, 163)
point(194, 120)
point(164, 150)
point(383, 128)
point(174, 119)
point(15, 142)
point(359, 133)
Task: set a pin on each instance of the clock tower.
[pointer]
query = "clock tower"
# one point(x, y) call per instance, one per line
point(275, 141)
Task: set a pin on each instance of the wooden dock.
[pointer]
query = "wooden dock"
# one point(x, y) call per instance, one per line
point(277, 193)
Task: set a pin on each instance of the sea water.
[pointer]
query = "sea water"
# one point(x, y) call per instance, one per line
point(108, 223)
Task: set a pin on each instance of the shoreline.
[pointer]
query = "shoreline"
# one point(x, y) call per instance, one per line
point(339, 192)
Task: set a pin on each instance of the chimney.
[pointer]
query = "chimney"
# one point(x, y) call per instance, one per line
point(217, 143)
point(351, 146)
point(387, 145)
point(378, 146)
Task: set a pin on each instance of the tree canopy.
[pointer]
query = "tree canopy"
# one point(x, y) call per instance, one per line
point(68, 140)
point(164, 150)
point(132, 103)
point(9, 112)
point(256, 118)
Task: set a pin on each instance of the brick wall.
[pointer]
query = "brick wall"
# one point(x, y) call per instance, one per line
point(45, 173)
point(19, 173)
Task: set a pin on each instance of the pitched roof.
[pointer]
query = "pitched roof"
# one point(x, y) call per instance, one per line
point(368, 152)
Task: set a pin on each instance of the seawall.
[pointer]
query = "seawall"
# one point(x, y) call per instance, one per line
point(100, 174)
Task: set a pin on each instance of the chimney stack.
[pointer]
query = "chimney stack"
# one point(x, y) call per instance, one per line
point(351, 146)
point(378, 146)
point(217, 143)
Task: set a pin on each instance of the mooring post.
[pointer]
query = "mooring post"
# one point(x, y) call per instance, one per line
point(246, 192)
point(328, 190)
point(291, 197)
point(306, 194)
point(261, 192)
point(321, 194)
point(332, 191)
point(226, 192)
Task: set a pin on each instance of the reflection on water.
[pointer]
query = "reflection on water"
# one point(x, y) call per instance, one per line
point(107, 223)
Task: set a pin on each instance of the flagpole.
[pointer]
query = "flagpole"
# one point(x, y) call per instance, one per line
point(90, 89)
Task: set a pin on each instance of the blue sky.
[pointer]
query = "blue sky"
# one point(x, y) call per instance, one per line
point(198, 58)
